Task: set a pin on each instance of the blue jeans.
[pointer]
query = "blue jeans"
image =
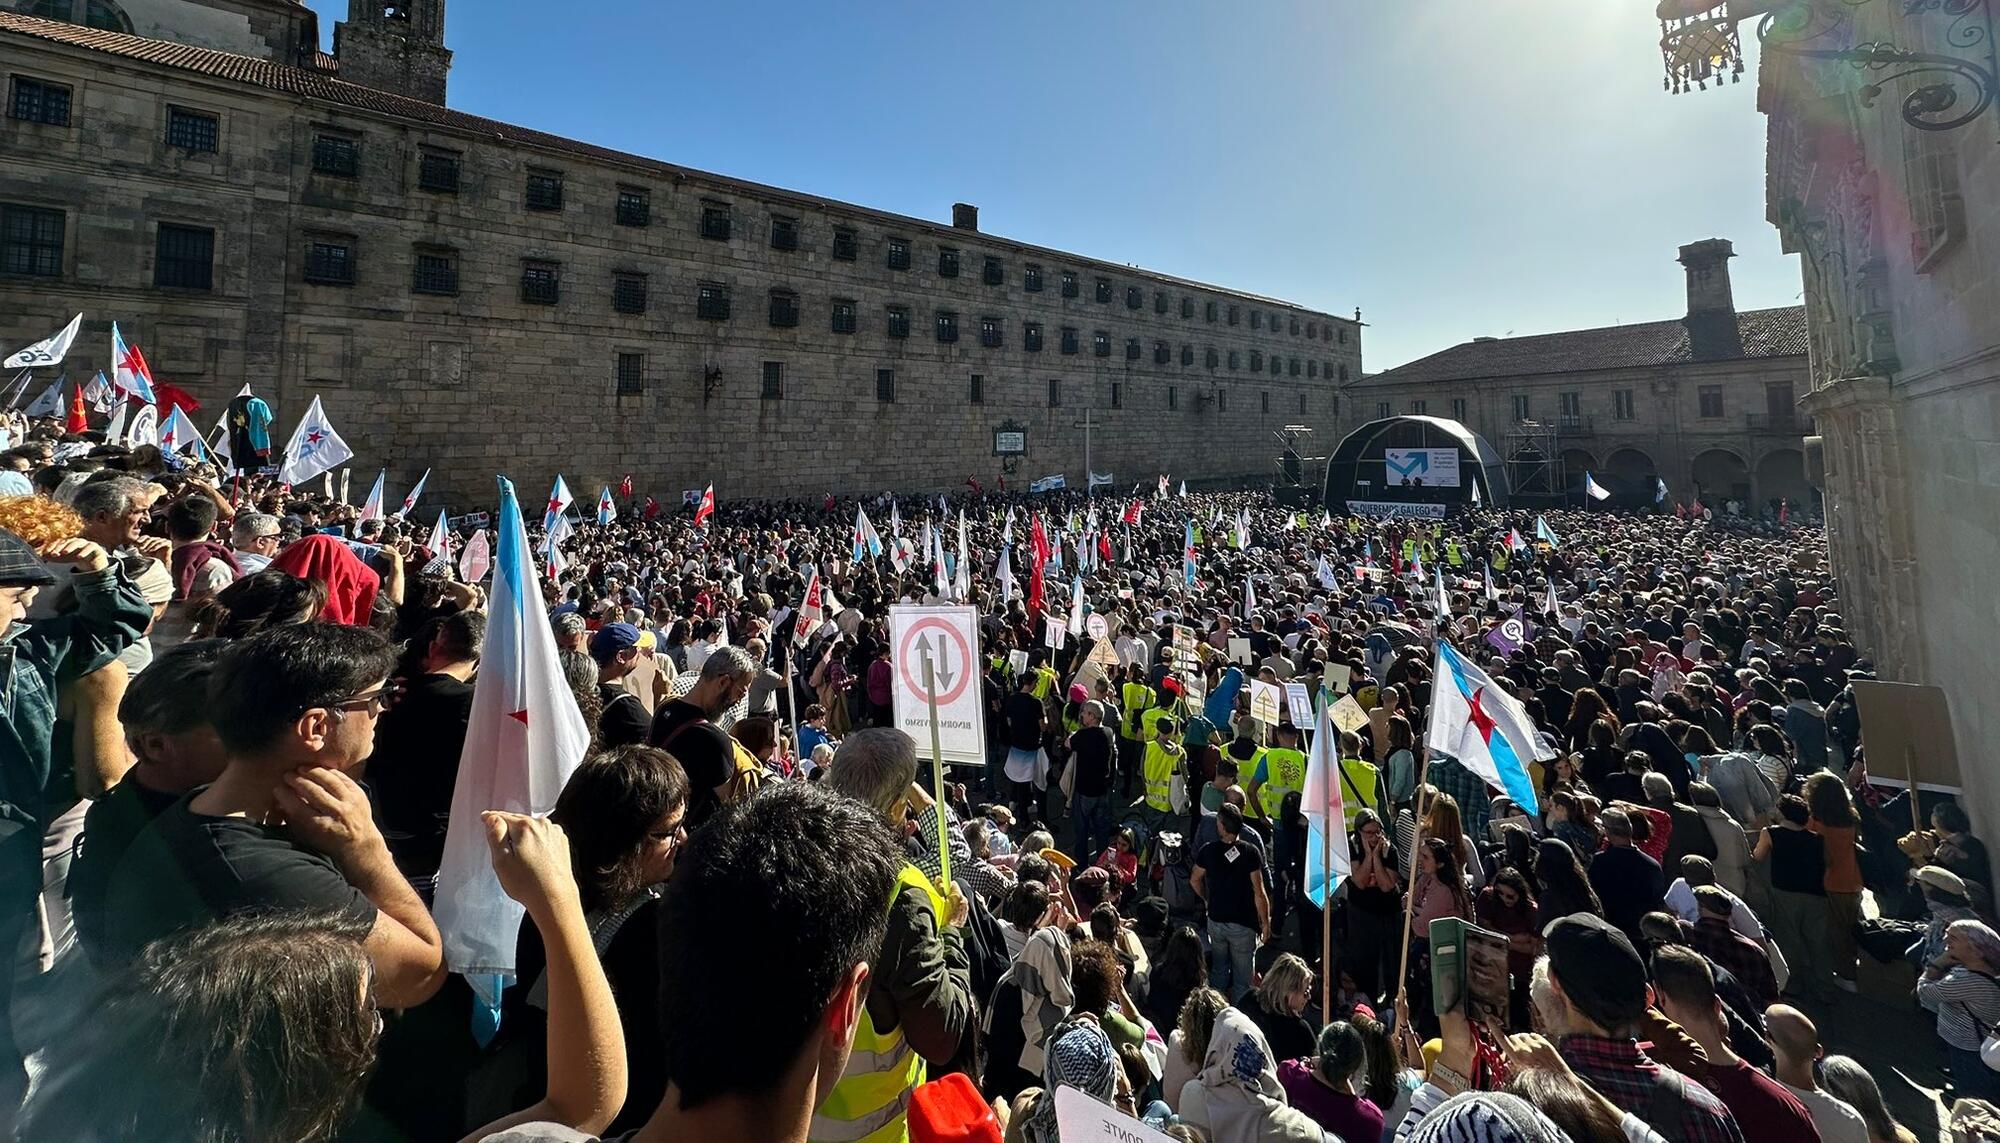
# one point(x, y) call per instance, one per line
point(1232, 954)
point(1089, 826)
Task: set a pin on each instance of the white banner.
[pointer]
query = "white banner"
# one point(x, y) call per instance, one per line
point(48, 351)
point(1054, 483)
point(1429, 467)
point(1396, 511)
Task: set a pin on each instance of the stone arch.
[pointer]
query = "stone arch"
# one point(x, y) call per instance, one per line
point(1576, 462)
point(1781, 473)
point(1719, 475)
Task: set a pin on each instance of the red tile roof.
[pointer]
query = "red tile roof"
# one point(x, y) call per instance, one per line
point(1764, 334)
point(318, 85)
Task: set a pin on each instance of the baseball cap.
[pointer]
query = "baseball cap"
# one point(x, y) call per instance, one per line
point(612, 638)
point(1599, 970)
point(19, 566)
point(1938, 877)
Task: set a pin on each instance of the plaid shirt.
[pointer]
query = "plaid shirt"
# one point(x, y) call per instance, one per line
point(1625, 1076)
point(1475, 801)
point(1745, 959)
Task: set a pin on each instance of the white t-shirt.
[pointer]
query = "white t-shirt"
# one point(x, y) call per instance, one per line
point(1837, 1120)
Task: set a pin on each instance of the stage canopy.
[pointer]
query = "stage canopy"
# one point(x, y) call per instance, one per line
point(1413, 466)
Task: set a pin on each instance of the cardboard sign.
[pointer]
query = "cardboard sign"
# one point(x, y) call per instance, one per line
point(1266, 702)
point(948, 639)
point(1054, 632)
point(1017, 663)
point(1348, 715)
point(1080, 1117)
point(1907, 726)
point(1239, 651)
point(1299, 700)
point(1337, 679)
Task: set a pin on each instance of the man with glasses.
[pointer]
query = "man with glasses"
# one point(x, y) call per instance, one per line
point(255, 540)
point(283, 826)
point(686, 728)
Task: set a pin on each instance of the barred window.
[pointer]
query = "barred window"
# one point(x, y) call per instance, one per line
point(631, 374)
point(843, 315)
point(1104, 289)
point(1132, 349)
point(192, 130)
point(1070, 286)
point(1031, 279)
point(1100, 343)
point(635, 206)
point(1055, 392)
point(545, 190)
point(899, 253)
point(898, 321)
point(947, 326)
point(784, 233)
point(336, 155)
point(1159, 301)
point(711, 302)
point(1234, 312)
point(541, 282)
point(975, 393)
point(1187, 355)
point(330, 262)
point(1212, 309)
point(628, 293)
point(784, 309)
point(1187, 308)
point(1162, 353)
point(435, 272)
point(1256, 322)
point(845, 245)
point(1134, 297)
point(1031, 337)
point(989, 333)
point(774, 381)
point(947, 262)
point(715, 220)
point(1069, 339)
point(885, 385)
point(1214, 357)
point(31, 240)
point(993, 274)
point(1173, 397)
point(39, 101)
point(438, 171)
point(1118, 394)
point(184, 257)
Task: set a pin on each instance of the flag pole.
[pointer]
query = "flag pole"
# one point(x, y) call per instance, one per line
point(1410, 893)
point(1326, 879)
point(791, 702)
point(937, 775)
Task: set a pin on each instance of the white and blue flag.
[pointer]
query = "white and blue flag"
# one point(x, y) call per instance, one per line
point(1593, 489)
point(1546, 534)
point(410, 501)
point(314, 448)
point(606, 510)
point(1483, 728)
point(1326, 816)
point(559, 502)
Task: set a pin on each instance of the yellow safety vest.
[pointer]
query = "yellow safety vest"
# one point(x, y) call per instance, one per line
point(1149, 722)
point(1045, 681)
point(1357, 777)
point(871, 1102)
point(1160, 763)
point(1137, 696)
point(1285, 772)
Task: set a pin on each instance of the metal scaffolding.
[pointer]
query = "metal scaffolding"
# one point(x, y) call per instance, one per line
point(1534, 460)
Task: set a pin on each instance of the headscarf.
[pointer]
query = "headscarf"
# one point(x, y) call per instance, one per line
point(1485, 1117)
point(350, 584)
point(1239, 1080)
point(1079, 1055)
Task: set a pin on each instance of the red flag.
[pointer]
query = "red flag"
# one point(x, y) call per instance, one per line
point(625, 487)
point(1784, 510)
point(1038, 555)
point(652, 507)
point(1132, 511)
point(812, 612)
point(79, 416)
point(1104, 544)
point(706, 508)
point(173, 396)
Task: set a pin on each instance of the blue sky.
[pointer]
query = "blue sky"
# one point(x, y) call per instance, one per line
point(1452, 167)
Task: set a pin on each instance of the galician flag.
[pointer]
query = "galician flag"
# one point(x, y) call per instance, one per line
point(1514, 541)
point(1595, 490)
point(1076, 604)
point(1326, 815)
point(1188, 565)
point(1182, 494)
point(559, 502)
point(1549, 604)
point(522, 740)
point(1242, 528)
point(961, 581)
point(867, 542)
point(129, 373)
point(440, 542)
point(1546, 534)
point(180, 433)
point(1659, 490)
point(410, 501)
point(1483, 728)
point(1492, 593)
point(314, 448)
point(371, 508)
point(606, 510)
point(49, 404)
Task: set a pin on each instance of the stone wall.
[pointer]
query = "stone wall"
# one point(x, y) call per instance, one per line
point(484, 381)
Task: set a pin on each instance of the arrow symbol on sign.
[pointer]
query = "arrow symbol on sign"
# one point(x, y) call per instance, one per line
point(939, 659)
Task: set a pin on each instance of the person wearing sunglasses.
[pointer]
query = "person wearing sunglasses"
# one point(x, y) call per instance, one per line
point(283, 826)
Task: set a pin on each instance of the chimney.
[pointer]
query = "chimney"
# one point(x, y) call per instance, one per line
point(1711, 318)
point(965, 216)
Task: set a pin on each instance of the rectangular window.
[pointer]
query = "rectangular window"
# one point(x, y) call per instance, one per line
point(1159, 301)
point(993, 273)
point(1292, 366)
point(336, 155)
point(1213, 357)
point(541, 283)
point(1458, 409)
point(31, 241)
point(1132, 349)
point(1417, 408)
point(1187, 308)
point(1118, 394)
point(989, 333)
point(1570, 403)
point(1100, 343)
point(1343, 373)
point(1264, 401)
point(1343, 337)
point(544, 191)
point(1234, 313)
point(628, 293)
point(1031, 337)
point(184, 257)
point(1163, 354)
point(1069, 339)
point(1302, 404)
point(716, 221)
point(438, 171)
point(435, 272)
point(844, 319)
point(1520, 407)
point(1134, 297)
point(899, 321)
point(947, 262)
point(784, 309)
point(784, 233)
point(899, 254)
point(1173, 397)
point(1031, 279)
point(193, 130)
point(711, 302)
point(1295, 327)
point(947, 327)
point(1212, 309)
point(330, 262)
point(631, 374)
point(1070, 287)
point(1221, 400)
point(846, 247)
point(1381, 410)
point(1621, 404)
point(1710, 397)
point(885, 385)
point(975, 390)
point(1312, 330)
point(774, 381)
point(1104, 289)
point(1256, 358)
point(1187, 356)
point(1936, 203)
point(1256, 319)
point(1055, 393)
point(1312, 369)
point(635, 206)
point(1235, 360)
point(39, 101)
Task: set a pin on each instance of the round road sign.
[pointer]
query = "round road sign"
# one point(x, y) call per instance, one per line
point(953, 663)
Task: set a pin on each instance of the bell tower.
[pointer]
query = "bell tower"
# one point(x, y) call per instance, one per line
point(394, 47)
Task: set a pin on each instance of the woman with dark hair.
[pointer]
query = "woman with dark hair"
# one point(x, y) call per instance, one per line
point(1508, 907)
point(1326, 1086)
point(1181, 968)
point(1600, 756)
point(1374, 908)
point(1565, 888)
point(1834, 820)
point(269, 598)
point(1585, 711)
point(622, 810)
point(1573, 819)
point(1797, 918)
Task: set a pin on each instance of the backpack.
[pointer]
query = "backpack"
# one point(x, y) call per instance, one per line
point(747, 774)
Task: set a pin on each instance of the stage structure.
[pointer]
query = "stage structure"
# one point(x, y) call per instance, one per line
point(1414, 466)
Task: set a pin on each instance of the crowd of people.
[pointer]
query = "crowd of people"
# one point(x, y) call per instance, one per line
point(234, 712)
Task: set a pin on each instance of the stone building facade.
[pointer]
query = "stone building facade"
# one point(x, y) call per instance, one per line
point(1886, 182)
point(476, 297)
point(1706, 402)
